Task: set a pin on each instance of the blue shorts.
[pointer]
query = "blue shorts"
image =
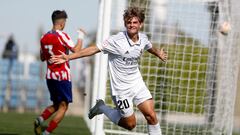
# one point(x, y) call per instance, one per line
point(60, 90)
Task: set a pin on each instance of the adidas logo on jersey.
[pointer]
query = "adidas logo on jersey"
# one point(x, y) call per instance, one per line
point(126, 52)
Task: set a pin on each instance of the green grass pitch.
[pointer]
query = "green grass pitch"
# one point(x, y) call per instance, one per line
point(22, 124)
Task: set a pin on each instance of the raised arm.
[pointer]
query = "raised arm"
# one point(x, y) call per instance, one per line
point(78, 46)
point(160, 53)
point(89, 51)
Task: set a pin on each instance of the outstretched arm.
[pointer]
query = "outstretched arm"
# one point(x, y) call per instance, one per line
point(160, 53)
point(89, 51)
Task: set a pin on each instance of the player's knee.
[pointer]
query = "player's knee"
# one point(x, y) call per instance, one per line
point(55, 106)
point(130, 125)
point(151, 118)
point(63, 105)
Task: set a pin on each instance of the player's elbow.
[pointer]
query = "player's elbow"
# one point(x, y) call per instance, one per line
point(42, 58)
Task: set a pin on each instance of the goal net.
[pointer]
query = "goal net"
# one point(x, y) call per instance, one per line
point(194, 91)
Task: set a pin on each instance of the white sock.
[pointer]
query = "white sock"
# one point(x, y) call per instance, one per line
point(46, 132)
point(154, 129)
point(113, 114)
point(41, 119)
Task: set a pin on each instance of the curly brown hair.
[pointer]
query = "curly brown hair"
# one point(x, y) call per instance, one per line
point(133, 12)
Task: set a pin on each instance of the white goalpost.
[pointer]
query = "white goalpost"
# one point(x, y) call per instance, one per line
point(98, 83)
point(194, 91)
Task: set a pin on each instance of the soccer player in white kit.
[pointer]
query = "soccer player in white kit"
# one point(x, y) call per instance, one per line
point(127, 86)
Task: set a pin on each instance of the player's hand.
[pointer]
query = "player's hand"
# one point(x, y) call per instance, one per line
point(59, 59)
point(81, 33)
point(162, 55)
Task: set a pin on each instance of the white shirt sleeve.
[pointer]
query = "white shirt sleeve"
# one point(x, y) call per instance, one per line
point(108, 46)
point(147, 43)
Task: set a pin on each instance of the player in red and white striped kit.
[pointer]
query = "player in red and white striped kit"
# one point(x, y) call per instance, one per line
point(58, 75)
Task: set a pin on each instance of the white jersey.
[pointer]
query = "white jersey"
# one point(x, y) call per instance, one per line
point(123, 56)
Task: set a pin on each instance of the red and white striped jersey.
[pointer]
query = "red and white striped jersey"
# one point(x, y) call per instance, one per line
point(51, 43)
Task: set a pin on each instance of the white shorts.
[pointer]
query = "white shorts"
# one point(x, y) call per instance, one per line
point(125, 102)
